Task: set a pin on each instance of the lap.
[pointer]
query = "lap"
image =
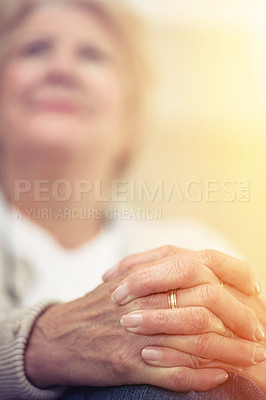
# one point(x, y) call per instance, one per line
point(236, 388)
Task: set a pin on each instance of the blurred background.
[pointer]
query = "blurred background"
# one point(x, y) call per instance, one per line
point(207, 115)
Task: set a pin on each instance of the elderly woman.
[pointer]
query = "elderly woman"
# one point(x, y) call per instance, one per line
point(163, 322)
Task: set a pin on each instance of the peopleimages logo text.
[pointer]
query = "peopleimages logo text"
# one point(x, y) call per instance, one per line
point(123, 190)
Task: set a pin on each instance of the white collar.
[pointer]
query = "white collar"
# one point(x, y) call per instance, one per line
point(22, 237)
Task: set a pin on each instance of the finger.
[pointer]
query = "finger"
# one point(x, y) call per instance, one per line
point(231, 270)
point(182, 321)
point(183, 379)
point(168, 357)
point(238, 352)
point(225, 303)
point(235, 272)
point(250, 301)
point(239, 318)
point(142, 258)
point(177, 272)
point(153, 301)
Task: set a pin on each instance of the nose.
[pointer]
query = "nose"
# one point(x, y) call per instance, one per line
point(62, 71)
point(59, 77)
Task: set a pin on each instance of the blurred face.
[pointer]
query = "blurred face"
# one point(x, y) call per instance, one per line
point(63, 90)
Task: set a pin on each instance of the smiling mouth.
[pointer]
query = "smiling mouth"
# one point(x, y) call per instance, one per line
point(57, 106)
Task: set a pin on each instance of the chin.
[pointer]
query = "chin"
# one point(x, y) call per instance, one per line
point(47, 146)
point(55, 135)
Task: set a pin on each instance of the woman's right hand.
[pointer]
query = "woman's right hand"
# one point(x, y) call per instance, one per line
point(82, 343)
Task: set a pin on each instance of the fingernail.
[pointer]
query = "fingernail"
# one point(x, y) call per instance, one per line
point(120, 294)
point(221, 377)
point(260, 355)
point(152, 355)
point(258, 287)
point(110, 273)
point(131, 320)
point(260, 333)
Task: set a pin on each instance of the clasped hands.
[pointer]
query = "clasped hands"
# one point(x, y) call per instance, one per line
point(137, 339)
point(214, 327)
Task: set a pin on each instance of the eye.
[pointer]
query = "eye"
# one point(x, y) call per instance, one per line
point(36, 48)
point(92, 53)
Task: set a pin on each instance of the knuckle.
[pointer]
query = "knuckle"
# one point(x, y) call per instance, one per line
point(190, 268)
point(121, 358)
point(166, 250)
point(198, 362)
point(212, 256)
point(123, 361)
point(178, 266)
point(152, 301)
point(160, 319)
point(200, 319)
point(203, 344)
point(183, 267)
point(211, 294)
point(228, 333)
point(140, 303)
point(247, 350)
point(143, 277)
point(180, 379)
point(143, 303)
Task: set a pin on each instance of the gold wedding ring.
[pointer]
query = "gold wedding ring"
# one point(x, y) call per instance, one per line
point(172, 300)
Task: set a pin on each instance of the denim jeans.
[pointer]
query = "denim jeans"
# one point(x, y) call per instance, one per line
point(236, 388)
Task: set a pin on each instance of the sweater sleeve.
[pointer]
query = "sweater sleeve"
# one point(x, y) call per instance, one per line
point(15, 329)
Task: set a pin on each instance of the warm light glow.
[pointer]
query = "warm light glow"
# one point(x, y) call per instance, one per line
point(210, 120)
